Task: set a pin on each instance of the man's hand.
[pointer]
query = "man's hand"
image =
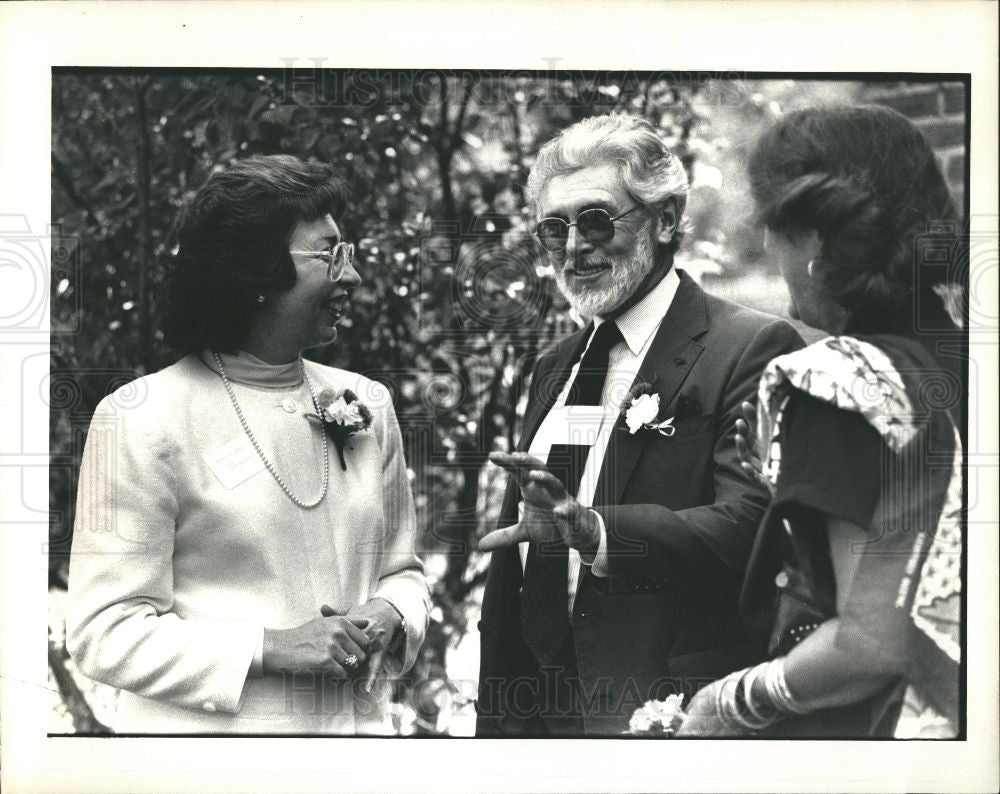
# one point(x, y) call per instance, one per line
point(550, 513)
point(746, 445)
point(321, 645)
point(380, 621)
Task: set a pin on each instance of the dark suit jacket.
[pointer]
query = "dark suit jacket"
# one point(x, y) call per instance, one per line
point(680, 517)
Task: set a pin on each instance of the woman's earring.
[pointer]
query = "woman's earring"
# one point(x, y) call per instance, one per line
point(809, 268)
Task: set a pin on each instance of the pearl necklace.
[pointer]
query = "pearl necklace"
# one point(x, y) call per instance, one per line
point(267, 463)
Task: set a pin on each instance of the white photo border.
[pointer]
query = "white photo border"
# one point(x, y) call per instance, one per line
point(788, 36)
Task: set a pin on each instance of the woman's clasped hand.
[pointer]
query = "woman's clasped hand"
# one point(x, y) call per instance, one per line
point(323, 645)
point(338, 644)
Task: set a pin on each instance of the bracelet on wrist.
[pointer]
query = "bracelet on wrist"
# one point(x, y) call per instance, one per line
point(400, 634)
point(777, 689)
point(732, 707)
point(763, 713)
point(725, 701)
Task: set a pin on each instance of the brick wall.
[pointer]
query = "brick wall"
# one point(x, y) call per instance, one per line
point(938, 109)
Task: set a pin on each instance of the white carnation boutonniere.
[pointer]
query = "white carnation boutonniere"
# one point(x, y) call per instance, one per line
point(342, 415)
point(641, 410)
point(658, 718)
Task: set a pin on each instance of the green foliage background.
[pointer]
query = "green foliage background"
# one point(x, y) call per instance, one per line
point(456, 300)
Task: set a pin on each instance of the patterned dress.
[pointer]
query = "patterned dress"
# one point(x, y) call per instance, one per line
point(866, 430)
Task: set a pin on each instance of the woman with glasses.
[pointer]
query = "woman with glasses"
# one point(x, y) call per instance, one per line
point(856, 569)
point(243, 556)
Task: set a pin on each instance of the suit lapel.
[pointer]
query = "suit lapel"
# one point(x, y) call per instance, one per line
point(667, 363)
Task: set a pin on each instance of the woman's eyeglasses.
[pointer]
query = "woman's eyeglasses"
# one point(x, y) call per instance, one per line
point(338, 258)
point(595, 225)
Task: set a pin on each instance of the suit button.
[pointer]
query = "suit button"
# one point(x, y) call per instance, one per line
point(781, 580)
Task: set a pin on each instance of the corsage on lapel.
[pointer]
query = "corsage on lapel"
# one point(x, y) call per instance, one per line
point(342, 415)
point(641, 410)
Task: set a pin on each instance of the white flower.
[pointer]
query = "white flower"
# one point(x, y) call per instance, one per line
point(668, 709)
point(340, 412)
point(640, 722)
point(661, 717)
point(642, 411)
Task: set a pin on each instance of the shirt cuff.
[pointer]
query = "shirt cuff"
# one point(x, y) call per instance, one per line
point(599, 565)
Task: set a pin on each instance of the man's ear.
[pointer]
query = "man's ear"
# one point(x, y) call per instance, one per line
point(667, 220)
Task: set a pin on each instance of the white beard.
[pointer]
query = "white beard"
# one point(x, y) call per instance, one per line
point(626, 275)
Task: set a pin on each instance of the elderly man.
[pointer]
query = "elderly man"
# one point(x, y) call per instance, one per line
point(628, 522)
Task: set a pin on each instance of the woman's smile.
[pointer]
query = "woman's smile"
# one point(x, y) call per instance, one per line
point(335, 306)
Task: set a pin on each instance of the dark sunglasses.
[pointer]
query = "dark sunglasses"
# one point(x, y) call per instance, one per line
point(595, 225)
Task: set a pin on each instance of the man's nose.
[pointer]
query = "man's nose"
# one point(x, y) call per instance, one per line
point(576, 243)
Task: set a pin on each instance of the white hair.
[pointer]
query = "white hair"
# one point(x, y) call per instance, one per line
point(648, 170)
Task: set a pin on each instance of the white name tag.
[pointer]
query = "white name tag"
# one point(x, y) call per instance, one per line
point(568, 424)
point(235, 462)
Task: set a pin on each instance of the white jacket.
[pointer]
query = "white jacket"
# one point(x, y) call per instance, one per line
point(185, 548)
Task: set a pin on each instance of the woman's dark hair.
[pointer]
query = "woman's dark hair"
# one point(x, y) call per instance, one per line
point(233, 246)
point(865, 179)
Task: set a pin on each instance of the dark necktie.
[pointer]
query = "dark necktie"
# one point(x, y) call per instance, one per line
point(544, 609)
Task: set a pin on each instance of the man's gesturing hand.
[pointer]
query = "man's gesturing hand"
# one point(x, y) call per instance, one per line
point(550, 513)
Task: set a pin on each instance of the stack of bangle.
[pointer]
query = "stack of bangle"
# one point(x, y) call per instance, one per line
point(732, 705)
point(763, 713)
point(735, 704)
point(777, 689)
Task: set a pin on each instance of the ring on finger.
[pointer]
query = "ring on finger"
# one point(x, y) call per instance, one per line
point(351, 662)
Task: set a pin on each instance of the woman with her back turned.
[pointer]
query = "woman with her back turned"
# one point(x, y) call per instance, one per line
point(856, 569)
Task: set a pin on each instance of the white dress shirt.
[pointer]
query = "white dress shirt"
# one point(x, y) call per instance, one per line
point(638, 326)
